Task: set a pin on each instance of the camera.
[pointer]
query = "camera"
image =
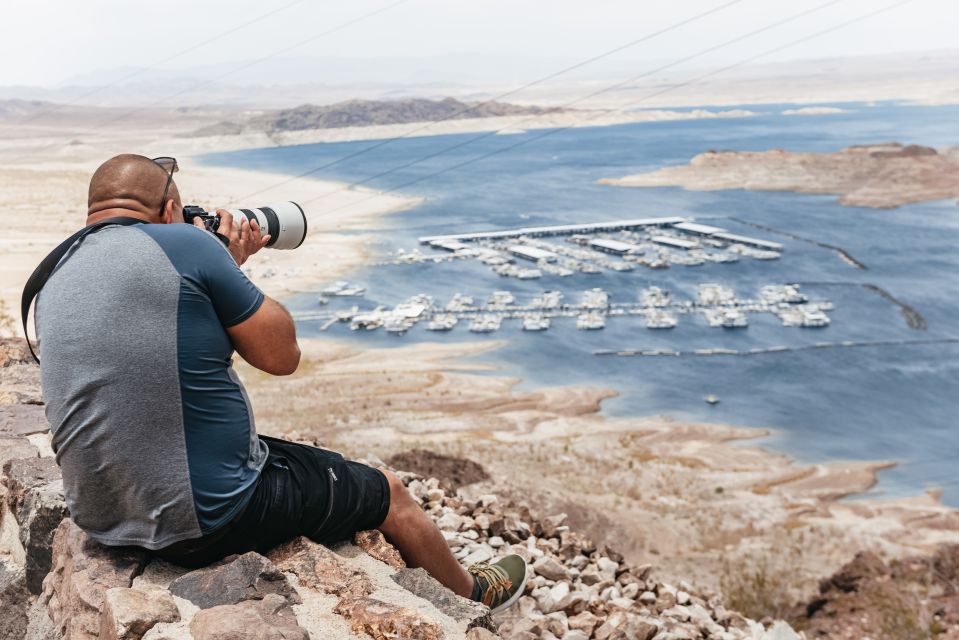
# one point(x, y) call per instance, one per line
point(285, 222)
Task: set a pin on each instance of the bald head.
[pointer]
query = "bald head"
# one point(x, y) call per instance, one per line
point(129, 182)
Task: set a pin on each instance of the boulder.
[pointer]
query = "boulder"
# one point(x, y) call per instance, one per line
point(22, 474)
point(269, 618)
point(245, 577)
point(82, 572)
point(317, 567)
point(385, 621)
point(374, 543)
point(13, 447)
point(14, 599)
point(22, 420)
point(423, 585)
point(129, 613)
point(43, 509)
point(864, 567)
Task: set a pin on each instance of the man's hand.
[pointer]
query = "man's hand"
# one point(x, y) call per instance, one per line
point(245, 238)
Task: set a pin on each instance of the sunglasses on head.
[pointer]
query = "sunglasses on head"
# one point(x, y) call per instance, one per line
point(169, 165)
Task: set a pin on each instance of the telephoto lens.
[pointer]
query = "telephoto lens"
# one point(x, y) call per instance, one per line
point(285, 222)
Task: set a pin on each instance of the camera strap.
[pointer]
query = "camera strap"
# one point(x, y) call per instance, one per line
point(46, 267)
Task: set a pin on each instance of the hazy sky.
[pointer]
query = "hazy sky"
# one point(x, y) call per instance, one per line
point(44, 43)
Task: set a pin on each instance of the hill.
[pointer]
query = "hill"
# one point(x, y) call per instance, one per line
point(364, 113)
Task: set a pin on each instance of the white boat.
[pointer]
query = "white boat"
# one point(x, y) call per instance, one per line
point(595, 299)
point(485, 324)
point(442, 322)
point(712, 399)
point(548, 300)
point(655, 297)
point(536, 323)
point(459, 302)
point(529, 274)
point(343, 288)
point(814, 318)
point(711, 293)
point(734, 319)
point(397, 324)
point(776, 293)
point(659, 319)
point(501, 299)
point(591, 321)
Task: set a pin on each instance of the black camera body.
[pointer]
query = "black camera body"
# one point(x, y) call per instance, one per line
point(210, 220)
point(284, 222)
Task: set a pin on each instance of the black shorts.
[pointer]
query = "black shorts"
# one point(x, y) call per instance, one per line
point(302, 491)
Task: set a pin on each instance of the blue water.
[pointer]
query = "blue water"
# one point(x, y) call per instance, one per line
point(892, 403)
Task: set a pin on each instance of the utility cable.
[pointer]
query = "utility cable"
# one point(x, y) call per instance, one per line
point(519, 123)
point(533, 83)
point(700, 78)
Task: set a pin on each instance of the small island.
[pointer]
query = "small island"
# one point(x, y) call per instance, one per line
point(882, 176)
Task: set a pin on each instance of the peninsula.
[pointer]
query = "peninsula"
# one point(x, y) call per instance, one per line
point(882, 176)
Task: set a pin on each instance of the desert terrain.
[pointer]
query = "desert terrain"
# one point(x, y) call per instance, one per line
point(701, 501)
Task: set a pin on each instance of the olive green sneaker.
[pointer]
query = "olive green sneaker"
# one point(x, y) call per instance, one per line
point(499, 585)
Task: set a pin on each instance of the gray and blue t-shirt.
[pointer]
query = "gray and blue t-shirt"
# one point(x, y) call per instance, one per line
point(151, 427)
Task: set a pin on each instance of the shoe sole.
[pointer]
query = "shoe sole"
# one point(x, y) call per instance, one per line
point(513, 598)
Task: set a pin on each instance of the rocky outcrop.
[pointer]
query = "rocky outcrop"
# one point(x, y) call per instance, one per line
point(914, 597)
point(880, 175)
point(363, 113)
point(302, 589)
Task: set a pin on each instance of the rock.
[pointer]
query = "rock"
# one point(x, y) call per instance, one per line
point(575, 635)
point(496, 542)
point(781, 631)
point(374, 543)
point(647, 598)
point(237, 578)
point(43, 509)
point(13, 447)
point(384, 621)
point(549, 524)
point(590, 576)
point(82, 571)
point(269, 618)
point(483, 554)
point(556, 599)
point(129, 613)
point(22, 420)
point(319, 568)
point(450, 522)
point(22, 474)
point(866, 565)
point(682, 598)
point(14, 599)
point(550, 568)
point(479, 633)
point(423, 585)
point(39, 624)
point(607, 566)
point(584, 622)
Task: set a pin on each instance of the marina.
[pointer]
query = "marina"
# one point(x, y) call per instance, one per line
point(528, 253)
point(653, 306)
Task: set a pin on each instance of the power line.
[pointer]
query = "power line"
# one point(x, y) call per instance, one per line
point(243, 67)
point(550, 132)
point(546, 78)
point(593, 94)
point(141, 71)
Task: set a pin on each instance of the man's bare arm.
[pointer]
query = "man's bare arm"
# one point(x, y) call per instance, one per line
point(267, 339)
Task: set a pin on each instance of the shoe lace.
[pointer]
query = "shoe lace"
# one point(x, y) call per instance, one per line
point(497, 580)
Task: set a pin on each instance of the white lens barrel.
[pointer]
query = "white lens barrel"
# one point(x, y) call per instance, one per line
point(285, 222)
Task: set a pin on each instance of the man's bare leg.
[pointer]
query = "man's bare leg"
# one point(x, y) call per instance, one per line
point(421, 544)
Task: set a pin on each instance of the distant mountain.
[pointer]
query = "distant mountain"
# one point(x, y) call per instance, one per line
point(363, 113)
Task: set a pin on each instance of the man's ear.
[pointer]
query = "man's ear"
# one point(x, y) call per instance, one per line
point(169, 208)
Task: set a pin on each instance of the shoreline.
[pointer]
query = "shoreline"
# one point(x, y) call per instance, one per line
point(679, 484)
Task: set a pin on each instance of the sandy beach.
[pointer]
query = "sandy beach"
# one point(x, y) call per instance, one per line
point(690, 498)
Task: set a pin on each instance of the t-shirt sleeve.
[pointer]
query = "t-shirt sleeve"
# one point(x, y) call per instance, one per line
point(234, 297)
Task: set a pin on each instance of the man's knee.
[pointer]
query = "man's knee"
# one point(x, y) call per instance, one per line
point(401, 501)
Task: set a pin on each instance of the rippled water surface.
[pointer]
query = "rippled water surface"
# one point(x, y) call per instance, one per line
point(892, 402)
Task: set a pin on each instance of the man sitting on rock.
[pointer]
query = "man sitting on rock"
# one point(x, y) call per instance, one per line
point(151, 426)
